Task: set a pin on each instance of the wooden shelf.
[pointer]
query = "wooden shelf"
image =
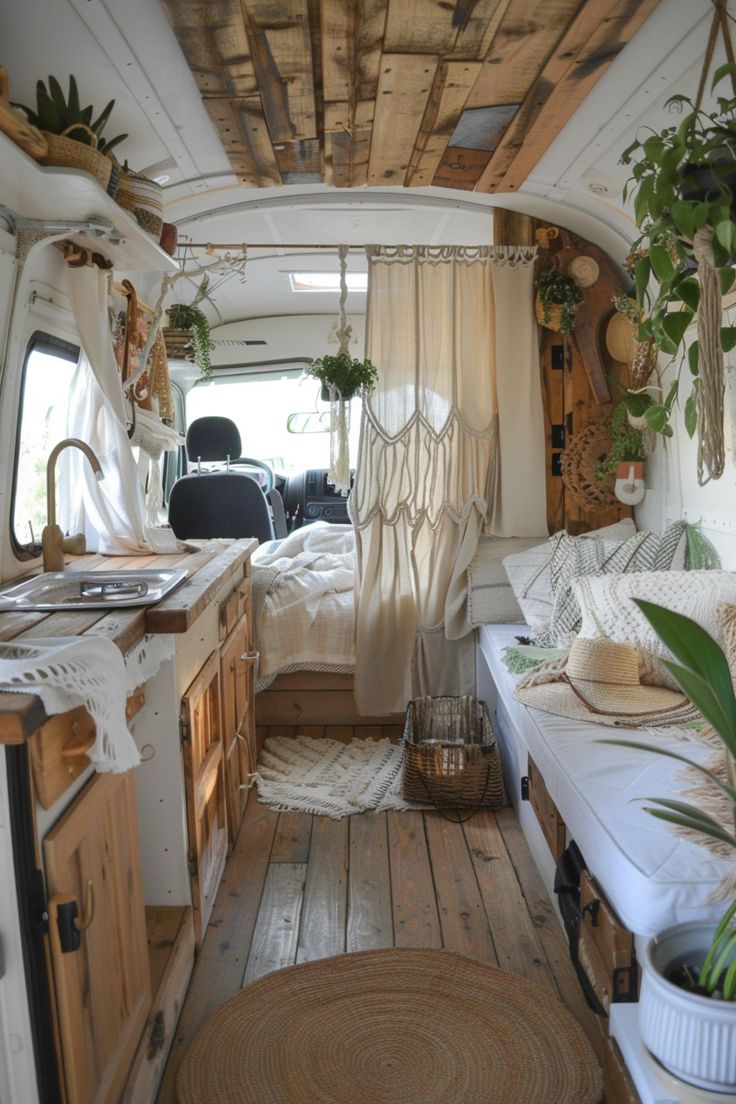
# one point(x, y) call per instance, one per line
point(33, 191)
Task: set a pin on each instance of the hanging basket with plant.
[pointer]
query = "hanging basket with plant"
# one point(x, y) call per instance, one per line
point(74, 139)
point(342, 376)
point(557, 300)
point(187, 336)
point(627, 446)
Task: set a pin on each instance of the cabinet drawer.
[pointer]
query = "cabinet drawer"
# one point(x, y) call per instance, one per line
point(606, 947)
point(232, 609)
point(547, 813)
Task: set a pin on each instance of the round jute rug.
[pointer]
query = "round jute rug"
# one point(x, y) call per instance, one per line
point(390, 1027)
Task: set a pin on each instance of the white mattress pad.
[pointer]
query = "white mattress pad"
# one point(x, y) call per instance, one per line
point(651, 875)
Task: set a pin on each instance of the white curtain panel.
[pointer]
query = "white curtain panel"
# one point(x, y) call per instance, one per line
point(429, 470)
point(110, 513)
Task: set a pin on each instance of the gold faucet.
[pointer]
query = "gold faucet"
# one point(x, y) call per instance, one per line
point(53, 542)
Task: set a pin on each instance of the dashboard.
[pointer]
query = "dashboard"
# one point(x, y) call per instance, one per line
point(309, 497)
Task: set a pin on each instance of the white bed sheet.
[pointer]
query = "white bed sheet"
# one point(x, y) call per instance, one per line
point(651, 876)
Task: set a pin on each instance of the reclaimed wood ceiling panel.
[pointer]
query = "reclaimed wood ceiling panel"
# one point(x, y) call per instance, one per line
point(462, 94)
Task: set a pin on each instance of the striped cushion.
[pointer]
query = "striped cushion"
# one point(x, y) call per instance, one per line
point(571, 558)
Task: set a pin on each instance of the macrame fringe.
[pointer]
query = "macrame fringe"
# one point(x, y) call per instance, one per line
point(339, 470)
point(710, 799)
point(510, 256)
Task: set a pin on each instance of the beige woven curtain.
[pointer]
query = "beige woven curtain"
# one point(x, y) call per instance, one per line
point(451, 332)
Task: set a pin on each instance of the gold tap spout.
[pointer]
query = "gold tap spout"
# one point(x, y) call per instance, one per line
point(52, 538)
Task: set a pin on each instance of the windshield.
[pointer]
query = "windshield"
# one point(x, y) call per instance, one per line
point(260, 405)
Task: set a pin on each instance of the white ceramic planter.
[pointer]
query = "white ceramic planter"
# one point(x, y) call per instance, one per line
point(693, 1037)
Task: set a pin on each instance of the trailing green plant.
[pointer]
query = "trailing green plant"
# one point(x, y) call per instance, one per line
point(57, 113)
point(683, 180)
point(190, 316)
point(627, 443)
point(556, 290)
point(344, 373)
point(701, 670)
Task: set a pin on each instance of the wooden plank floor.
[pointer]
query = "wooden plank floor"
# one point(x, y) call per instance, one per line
point(298, 887)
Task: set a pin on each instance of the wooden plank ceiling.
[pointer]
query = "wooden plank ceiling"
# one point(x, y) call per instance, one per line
point(458, 93)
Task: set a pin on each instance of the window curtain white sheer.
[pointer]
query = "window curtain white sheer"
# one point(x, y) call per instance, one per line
point(110, 513)
point(452, 334)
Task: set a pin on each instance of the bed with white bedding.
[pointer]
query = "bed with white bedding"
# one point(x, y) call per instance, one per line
point(303, 602)
point(651, 876)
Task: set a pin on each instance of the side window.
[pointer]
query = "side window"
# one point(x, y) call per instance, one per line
point(47, 374)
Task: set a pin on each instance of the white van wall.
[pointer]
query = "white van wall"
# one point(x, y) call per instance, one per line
point(286, 336)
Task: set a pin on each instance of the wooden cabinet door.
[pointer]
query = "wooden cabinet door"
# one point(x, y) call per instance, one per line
point(235, 700)
point(102, 988)
point(204, 773)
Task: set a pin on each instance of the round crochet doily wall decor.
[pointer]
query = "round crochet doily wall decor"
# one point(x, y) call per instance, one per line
point(586, 450)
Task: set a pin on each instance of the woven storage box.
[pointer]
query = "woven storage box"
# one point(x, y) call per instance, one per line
point(450, 754)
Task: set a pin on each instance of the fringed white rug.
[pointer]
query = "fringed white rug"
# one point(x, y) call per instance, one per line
point(330, 778)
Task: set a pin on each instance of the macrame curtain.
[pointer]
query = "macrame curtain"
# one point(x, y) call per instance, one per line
point(451, 332)
point(110, 513)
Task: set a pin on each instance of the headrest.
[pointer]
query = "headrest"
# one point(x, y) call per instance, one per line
point(213, 438)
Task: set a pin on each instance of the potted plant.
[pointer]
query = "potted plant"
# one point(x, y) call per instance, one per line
point(557, 301)
point(74, 139)
point(687, 1005)
point(683, 183)
point(341, 376)
point(627, 448)
point(187, 336)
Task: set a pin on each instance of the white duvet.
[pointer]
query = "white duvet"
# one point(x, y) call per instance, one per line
point(303, 602)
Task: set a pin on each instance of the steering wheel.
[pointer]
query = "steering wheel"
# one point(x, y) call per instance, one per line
point(249, 462)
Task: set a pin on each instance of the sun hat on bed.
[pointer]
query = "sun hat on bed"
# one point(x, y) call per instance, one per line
point(599, 682)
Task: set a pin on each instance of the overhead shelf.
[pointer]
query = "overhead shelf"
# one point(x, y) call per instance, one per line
point(33, 191)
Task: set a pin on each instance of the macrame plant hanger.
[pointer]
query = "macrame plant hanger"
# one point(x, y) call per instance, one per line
point(339, 471)
point(711, 445)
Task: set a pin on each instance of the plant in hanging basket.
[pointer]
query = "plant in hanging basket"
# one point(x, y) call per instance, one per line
point(683, 182)
point(558, 298)
point(343, 374)
point(75, 138)
point(191, 317)
point(627, 444)
point(689, 985)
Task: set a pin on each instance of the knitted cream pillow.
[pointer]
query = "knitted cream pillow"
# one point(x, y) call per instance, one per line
point(607, 610)
point(529, 572)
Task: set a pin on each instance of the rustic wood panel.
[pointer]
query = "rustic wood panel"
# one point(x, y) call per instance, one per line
point(547, 813)
point(277, 928)
point(370, 923)
point(213, 39)
point(606, 946)
point(325, 894)
point(416, 920)
point(463, 28)
point(594, 38)
point(462, 916)
point(281, 52)
point(404, 84)
point(292, 838)
point(449, 91)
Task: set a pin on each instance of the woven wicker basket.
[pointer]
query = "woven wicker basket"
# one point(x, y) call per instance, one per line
point(554, 314)
point(69, 153)
point(179, 343)
point(450, 754)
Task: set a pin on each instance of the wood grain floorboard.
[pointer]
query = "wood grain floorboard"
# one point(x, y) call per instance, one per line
point(325, 895)
point(292, 838)
point(370, 923)
point(416, 920)
point(277, 928)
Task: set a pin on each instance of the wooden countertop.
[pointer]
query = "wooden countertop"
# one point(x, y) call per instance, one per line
point(208, 569)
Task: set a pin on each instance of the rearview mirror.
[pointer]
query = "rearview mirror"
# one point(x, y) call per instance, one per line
point(309, 421)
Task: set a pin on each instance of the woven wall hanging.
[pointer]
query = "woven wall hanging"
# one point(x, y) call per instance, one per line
point(586, 450)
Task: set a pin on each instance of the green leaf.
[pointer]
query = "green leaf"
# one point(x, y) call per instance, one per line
point(691, 414)
point(48, 112)
point(637, 745)
point(728, 69)
point(727, 275)
point(689, 291)
point(662, 265)
point(642, 272)
point(693, 355)
point(57, 95)
point(73, 106)
point(99, 125)
point(726, 234)
point(671, 396)
point(636, 404)
point(718, 832)
point(728, 338)
point(642, 199)
point(675, 324)
point(683, 214)
point(656, 416)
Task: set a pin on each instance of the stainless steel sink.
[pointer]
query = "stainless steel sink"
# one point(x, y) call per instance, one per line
point(91, 589)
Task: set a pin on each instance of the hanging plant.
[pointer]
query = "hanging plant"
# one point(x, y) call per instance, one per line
point(558, 299)
point(627, 444)
point(190, 316)
point(344, 374)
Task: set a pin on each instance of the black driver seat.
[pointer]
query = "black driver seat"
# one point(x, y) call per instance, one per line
point(218, 504)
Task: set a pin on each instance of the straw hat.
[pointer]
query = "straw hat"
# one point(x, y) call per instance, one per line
point(600, 683)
